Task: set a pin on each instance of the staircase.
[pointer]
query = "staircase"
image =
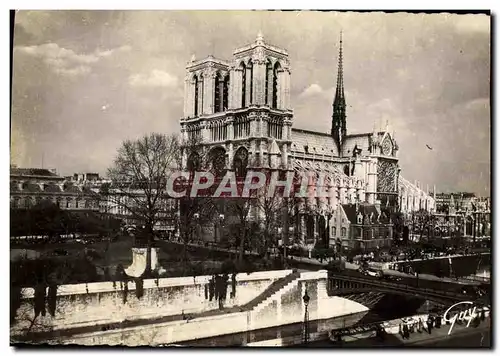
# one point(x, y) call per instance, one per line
point(278, 286)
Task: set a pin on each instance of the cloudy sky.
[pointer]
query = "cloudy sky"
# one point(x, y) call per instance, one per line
point(83, 81)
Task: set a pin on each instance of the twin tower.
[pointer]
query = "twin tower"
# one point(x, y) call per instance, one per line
point(238, 112)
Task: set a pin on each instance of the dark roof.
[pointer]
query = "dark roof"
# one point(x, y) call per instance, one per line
point(365, 209)
point(359, 134)
point(380, 133)
point(32, 172)
point(31, 187)
point(72, 188)
point(52, 188)
point(350, 212)
point(311, 132)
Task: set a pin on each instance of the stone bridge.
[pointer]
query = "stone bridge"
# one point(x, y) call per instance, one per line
point(349, 287)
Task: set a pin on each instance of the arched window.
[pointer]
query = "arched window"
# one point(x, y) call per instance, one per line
point(218, 93)
point(196, 84)
point(200, 95)
point(243, 84)
point(275, 85)
point(194, 162)
point(217, 160)
point(225, 93)
point(28, 203)
point(240, 162)
point(346, 170)
point(269, 79)
point(250, 94)
point(334, 231)
point(344, 232)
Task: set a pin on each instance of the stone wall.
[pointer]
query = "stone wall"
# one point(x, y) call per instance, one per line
point(89, 304)
point(266, 321)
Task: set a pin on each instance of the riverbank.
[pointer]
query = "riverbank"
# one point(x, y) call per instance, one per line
point(460, 337)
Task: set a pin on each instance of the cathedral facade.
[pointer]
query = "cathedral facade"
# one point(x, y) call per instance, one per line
point(240, 116)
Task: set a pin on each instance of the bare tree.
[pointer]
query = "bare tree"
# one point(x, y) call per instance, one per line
point(271, 209)
point(240, 209)
point(194, 211)
point(139, 182)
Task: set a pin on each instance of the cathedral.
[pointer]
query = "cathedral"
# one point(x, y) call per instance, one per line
point(240, 113)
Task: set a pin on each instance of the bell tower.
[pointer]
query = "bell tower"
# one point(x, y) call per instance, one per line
point(240, 109)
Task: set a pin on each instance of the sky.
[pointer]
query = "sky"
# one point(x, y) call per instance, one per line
point(84, 81)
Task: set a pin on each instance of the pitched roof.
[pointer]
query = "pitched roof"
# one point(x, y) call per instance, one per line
point(71, 188)
point(52, 188)
point(361, 141)
point(31, 187)
point(32, 172)
point(318, 143)
point(365, 209)
point(273, 148)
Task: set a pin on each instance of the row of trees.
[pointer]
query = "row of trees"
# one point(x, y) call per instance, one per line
point(139, 186)
point(47, 219)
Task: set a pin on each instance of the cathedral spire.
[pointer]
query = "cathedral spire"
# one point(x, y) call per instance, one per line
point(339, 130)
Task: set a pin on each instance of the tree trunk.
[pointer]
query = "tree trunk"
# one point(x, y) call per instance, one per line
point(149, 240)
point(242, 244)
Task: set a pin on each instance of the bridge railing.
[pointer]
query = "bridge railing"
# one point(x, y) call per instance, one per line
point(397, 286)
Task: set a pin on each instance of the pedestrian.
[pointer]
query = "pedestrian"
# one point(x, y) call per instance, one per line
point(438, 322)
point(406, 332)
point(429, 325)
point(420, 325)
point(400, 329)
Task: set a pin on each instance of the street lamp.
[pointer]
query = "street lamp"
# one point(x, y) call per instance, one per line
point(306, 299)
point(196, 217)
point(280, 237)
point(217, 225)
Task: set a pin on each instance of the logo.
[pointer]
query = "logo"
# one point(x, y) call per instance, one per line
point(457, 313)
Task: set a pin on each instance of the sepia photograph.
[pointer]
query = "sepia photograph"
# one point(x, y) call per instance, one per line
point(250, 178)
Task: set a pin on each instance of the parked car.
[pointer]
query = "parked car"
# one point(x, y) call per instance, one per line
point(390, 278)
point(371, 272)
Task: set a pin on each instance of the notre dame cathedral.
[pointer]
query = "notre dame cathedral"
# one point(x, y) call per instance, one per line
point(239, 111)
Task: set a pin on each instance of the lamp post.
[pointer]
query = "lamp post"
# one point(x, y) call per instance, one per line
point(291, 231)
point(306, 299)
point(196, 217)
point(280, 240)
point(217, 225)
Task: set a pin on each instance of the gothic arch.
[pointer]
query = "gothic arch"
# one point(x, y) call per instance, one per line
point(225, 91)
point(194, 162)
point(269, 80)
point(250, 88)
point(217, 93)
point(196, 89)
point(275, 92)
point(244, 78)
point(216, 162)
point(240, 162)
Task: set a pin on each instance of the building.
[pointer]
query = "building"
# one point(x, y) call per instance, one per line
point(31, 186)
point(414, 198)
point(360, 226)
point(239, 113)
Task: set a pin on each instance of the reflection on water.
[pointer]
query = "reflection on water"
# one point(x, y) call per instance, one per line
point(460, 266)
point(397, 306)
